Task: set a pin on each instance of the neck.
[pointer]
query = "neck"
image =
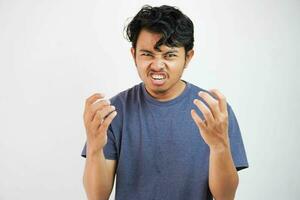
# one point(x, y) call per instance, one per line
point(169, 94)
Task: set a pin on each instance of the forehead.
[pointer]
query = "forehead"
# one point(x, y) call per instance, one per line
point(147, 40)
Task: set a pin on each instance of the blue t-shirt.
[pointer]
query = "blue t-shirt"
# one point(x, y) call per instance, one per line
point(159, 151)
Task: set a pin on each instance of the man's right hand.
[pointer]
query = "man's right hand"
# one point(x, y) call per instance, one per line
point(97, 118)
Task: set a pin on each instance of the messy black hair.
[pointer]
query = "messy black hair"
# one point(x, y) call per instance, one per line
point(176, 29)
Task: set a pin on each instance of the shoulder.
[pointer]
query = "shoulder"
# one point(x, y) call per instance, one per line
point(126, 96)
point(124, 102)
point(196, 89)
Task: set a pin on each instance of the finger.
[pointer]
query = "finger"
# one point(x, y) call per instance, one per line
point(105, 111)
point(107, 121)
point(101, 115)
point(89, 101)
point(212, 103)
point(221, 98)
point(96, 121)
point(205, 111)
point(88, 114)
point(199, 122)
point(99, 105)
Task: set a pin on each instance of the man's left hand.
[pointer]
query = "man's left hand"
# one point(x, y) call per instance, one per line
point(214, 127)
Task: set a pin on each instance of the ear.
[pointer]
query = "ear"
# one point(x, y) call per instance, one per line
point(132, 50)
point(188, 57)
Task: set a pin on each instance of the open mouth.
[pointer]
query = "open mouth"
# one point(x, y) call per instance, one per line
point(158, 78)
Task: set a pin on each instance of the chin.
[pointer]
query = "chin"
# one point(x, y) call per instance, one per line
point(159, 90)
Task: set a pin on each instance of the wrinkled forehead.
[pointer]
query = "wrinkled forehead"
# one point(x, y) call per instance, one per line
point(162, 49)
point(147, 41)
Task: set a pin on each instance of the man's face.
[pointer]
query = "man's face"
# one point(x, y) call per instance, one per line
point(161, 71)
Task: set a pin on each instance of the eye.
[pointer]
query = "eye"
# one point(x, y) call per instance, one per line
point(170, 55)
point(146, 54)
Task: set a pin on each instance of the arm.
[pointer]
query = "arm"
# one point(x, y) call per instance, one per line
point(99, 175)
point(223, 177)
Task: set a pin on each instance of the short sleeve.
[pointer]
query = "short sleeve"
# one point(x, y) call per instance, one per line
point(109, 150)
point(236, 142)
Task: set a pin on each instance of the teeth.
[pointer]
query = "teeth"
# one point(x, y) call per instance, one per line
point(157, 77)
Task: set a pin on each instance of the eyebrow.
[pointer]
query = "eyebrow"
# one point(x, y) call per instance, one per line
point(169, 51)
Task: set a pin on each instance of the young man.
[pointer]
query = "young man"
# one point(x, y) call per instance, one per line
point(164, 138)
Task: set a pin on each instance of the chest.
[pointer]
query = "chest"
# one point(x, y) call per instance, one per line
point(167, 140)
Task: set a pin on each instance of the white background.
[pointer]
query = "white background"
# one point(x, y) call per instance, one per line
point(54, 54)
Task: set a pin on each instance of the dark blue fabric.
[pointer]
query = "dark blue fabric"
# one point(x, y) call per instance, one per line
point(160, 152)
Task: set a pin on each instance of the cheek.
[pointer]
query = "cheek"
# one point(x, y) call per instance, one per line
point(176, 67)
point(143, 64)
point(172, 66)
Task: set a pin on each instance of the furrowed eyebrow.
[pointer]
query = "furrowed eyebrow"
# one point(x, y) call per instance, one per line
point(147, 51)
point(170, 51)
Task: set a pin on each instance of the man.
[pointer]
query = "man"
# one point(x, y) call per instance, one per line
point(165, 138)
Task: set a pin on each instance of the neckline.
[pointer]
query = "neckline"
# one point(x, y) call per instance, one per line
point(152, 100)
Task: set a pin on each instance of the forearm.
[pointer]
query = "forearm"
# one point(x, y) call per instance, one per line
point(96, 181)
point(223, 177)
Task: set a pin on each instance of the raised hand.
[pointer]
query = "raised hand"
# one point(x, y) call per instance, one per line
point(97, 117)
point(214, 127)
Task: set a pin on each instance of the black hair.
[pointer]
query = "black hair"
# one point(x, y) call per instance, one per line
point(176, 28)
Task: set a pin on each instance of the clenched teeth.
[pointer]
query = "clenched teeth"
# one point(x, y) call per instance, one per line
point(157, 77)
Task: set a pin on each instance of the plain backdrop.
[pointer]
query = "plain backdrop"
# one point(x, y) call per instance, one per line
point(54, 54)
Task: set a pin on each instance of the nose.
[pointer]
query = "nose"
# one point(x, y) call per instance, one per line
point(158, 64)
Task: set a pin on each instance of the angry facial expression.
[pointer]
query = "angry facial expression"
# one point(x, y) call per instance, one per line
point(160, 70)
